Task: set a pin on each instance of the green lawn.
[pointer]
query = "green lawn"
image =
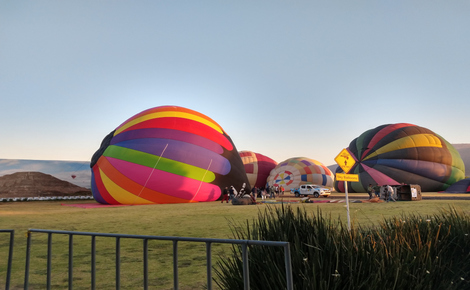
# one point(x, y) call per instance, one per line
point(207, 220)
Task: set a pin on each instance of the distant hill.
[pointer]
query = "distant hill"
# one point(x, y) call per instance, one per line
point(37, 184)
point(464, 150)
point(75, 172)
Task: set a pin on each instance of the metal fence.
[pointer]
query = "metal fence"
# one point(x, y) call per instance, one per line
point(208, 242)
point(10, 256)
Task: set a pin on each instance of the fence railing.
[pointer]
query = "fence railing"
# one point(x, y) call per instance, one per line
point(208, 242)
point(10, 256)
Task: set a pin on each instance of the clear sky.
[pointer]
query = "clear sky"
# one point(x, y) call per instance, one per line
point(283, 78)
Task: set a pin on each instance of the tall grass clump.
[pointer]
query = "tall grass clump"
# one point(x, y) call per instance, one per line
point(405, 252)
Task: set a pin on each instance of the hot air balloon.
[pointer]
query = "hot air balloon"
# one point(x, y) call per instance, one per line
point(403, 153)
point(461, 186)
point(294, 172)
point(166, 154)
point(257, 167)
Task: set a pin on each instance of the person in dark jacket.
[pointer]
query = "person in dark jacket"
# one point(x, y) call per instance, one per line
point(377, 190)
point(370, 191)
point(225, 195)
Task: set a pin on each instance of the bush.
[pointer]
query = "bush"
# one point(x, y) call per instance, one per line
point(406, 252)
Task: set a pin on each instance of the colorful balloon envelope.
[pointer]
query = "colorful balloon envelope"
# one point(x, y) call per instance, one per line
point(294, 172)
point(257, 167)
point(403, 153)
point(166, 154)
point(461, 186)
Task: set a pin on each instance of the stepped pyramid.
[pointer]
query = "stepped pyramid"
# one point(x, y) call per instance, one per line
point(32, 184)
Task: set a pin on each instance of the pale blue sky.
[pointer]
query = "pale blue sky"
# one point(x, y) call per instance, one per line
point(283, 78)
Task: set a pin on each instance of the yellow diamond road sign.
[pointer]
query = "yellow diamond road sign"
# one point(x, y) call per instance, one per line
point(345, 160)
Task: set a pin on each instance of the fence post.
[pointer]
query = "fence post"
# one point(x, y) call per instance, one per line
point(209, 265)
point(289, 278)
point(10, 257)
point(246, 268)
point(93, 262)
point(175, 265)
point(49, 260)
point(70, 261)
point(146, 264)
point(28, 256)
point(118, 263)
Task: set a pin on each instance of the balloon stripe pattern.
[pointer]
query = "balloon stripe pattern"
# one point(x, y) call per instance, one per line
point(257, 167)
point(184, 125)
point(166, 154)
point(125, 186)
point(294, 172)
point(403, 153)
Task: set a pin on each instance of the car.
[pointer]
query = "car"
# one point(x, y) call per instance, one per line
point(311, 189)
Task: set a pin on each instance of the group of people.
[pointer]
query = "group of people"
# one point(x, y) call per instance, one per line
point(256, 192)
point(228, 194)
point(265, 192)
point(374, 191)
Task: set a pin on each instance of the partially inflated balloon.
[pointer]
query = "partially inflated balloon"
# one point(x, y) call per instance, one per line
point(166, 154)
point(461, 186)
point(403, 153)
point(294, 172)
point(257, 167)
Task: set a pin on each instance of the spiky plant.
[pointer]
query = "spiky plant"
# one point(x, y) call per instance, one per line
point(406, 252)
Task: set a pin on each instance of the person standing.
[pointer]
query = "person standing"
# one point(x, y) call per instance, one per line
point(254, 192)
point(370, 191)
point(377, 190)
point(231, 193)
point(225, 195)
point(268, 191)
point(389, 193)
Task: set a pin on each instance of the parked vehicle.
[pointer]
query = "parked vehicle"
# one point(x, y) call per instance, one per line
point(311, 189)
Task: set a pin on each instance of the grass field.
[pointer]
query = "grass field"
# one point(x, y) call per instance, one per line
point(207, 220)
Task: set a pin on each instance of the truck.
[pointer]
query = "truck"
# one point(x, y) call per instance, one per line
point(311, 189)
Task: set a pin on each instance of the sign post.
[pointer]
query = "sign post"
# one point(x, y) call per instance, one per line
point(346, 161)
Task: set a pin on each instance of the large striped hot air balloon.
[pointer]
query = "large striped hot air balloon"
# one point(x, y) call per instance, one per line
point(166, 154)
point(403, 154)
point(294, 172)
point(257, 167)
